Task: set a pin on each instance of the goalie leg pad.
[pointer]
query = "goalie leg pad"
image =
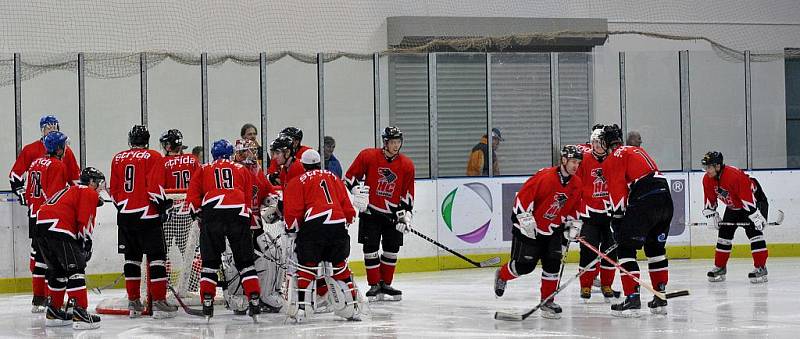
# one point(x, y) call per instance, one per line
point(343, 293)
point(232, 288)
point(269, 276)
point(300, 292)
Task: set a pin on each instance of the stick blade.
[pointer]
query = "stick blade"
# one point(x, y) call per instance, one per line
point(505, 316)
point(490, 262)
point(779, 219)
point(681, 293)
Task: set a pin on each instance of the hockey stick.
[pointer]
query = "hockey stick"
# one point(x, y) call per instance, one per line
point(486, 263)
point(187, 309)
point(778, 221)
point(500, 315)
point(660, 295)
point(99, 290)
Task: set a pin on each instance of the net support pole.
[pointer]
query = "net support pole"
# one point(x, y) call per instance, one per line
point(489, 136)
point(321, 104)
point(262, 62)
point(143, 87)
point(376, 97)
point(748, 109)
point(433, 116)
point(554, 109)
point(18, 102)
point(686, 124)
point(82, 108)
point(623, 99)
point(204, 101)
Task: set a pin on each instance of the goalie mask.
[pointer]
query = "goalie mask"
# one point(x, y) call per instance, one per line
point(245, 151)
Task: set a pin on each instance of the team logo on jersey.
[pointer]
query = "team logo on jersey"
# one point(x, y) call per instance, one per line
point(559, 200)
point(460, 210)
point(724, 195)
point(386, 182)
point(600, 184)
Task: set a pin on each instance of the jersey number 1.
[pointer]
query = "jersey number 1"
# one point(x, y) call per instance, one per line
point(324, 185)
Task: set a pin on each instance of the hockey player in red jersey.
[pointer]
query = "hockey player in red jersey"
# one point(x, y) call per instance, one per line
point(545, 201)
point(17, 176)
point(46, 175)
point(220, 193)
point(288, 163)
point(66, 222)
point(245, 155)
point(37, 150)
point(641, 214)
point(745, 203)
point(386, 214)
point(296, 150)
point(317, 208)
point(139, 225)
point(597, 221)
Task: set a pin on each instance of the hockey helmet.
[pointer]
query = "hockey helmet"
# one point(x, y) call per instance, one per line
point(712, 158)
point(293, 132)
point(139, 136)
point(571, 152)
point(610, 135)
point(391, 132)
point(91, 174)
point(173, 138)
point(54, 141)
point(221, 149)
point(281, 143)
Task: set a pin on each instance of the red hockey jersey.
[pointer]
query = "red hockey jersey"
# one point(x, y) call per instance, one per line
point(595, 185)
point(623, 167)
point(548, 200)
point(128, 187)
point(734, 188)
point(171, 172)
point(34, 151)
point(46, 176)
point(222, 184)
point(70, 212)
point(273, 164)
point(294, 170)
point(316, 194)
point(391, 182)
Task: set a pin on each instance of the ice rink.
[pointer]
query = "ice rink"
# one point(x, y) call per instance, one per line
point(460, 304)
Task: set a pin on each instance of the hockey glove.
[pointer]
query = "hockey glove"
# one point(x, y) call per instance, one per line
point(20, 193)
point(274, 179)
point(360, 197)
point(403, 221)
point(573, 229)
point(269, 210)
point(758, 220)
point(527, 224)
point(87, 249)
point(712, 218)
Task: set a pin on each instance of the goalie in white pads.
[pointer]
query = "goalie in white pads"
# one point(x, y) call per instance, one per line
point(317, 208)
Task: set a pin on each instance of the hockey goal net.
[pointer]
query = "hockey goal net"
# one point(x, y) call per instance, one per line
point(182, 238)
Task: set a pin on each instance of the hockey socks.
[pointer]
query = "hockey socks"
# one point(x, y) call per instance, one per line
point(388, 262)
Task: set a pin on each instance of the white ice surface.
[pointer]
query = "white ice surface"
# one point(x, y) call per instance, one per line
point(460, 304)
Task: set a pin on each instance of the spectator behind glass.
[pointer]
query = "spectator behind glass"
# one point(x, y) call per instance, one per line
point(331, 163)
point(250, 132)
point(477, 164)
point(198, 152)
point(634, 139)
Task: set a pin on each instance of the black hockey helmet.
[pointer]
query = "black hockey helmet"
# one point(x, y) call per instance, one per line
point(712, 158)
point(571, 152)
point(391, 132)
point(610, 136)
point(293, 132)
point(173, 138)
point(139, 136)
point(91, 174)
point(281, 143)
point(597, 126)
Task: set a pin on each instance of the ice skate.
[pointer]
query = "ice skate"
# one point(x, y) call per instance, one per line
point(551, 310)
point(135, 308)
point(499, 284)
point(391, 292)
point(163, 310)
point(628, 308)
point(759, 275)
point(717, 274)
